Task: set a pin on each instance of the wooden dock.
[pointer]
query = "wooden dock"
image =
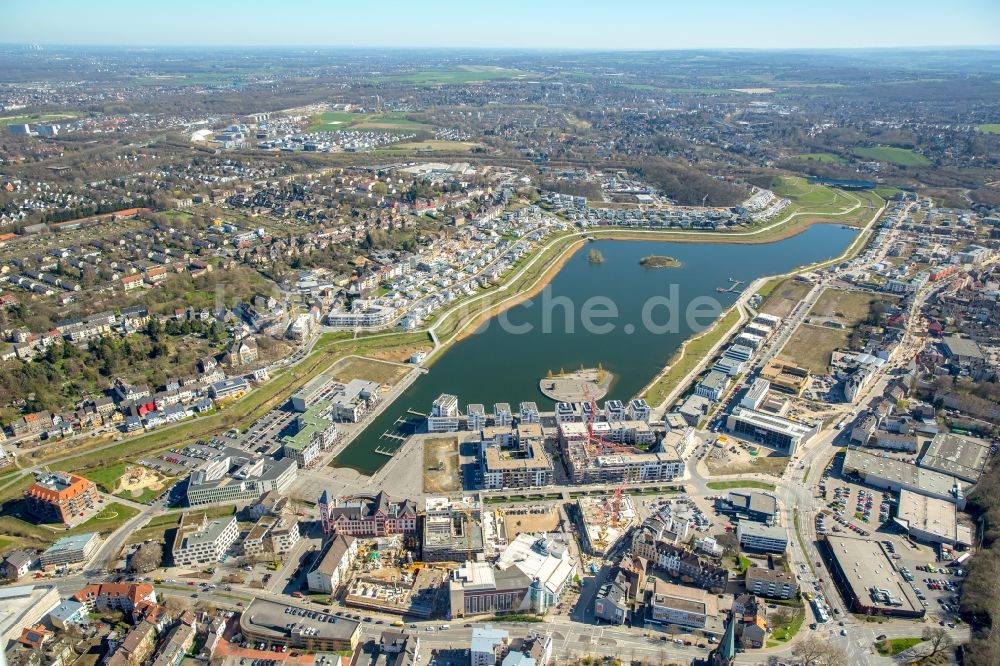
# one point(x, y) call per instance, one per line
point(731, 288)
point(392, 436)
point(384, 452)
point(416, 413)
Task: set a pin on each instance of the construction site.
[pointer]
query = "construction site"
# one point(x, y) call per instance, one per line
point(415, 591)
point(604, 521)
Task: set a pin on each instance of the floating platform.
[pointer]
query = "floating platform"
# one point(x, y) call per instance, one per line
point(384, 452)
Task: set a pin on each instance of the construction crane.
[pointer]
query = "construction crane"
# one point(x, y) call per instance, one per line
point(596, 444)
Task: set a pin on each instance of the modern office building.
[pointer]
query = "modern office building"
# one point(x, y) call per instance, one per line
point(749, 505)
point(236, 476)
point(69, 550)
point(762, 538)
point(202, 541)
point(770, 429)
point(529, 576)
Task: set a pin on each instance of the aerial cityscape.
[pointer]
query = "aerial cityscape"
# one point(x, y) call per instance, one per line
point(345, 336)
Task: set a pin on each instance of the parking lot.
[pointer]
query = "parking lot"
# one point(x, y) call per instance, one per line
point(858, 510)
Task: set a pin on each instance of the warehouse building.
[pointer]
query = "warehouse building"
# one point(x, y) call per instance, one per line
point(891, 474)
point(868, 579)
point(961, 457)
point(932, 520)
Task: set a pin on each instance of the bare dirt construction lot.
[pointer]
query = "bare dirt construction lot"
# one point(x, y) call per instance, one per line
point(368, 369)
point(810, 347)
point(734, 457)
point(850, 308)
point(785, 297)
point(441, 461)
point(530, 521)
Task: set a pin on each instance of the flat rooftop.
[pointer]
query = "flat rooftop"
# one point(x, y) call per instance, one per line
point(900, 472)
point(935, 516)
point(866, 568)
point(959, 456)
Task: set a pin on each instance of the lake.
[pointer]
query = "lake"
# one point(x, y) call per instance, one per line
point(503, 363)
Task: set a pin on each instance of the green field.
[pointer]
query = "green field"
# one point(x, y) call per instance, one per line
point(991, 128)
point(461, 75)
point(828, 158)
point(33, 118)
point(353, 122)
point(892, 155)
point(108, 519)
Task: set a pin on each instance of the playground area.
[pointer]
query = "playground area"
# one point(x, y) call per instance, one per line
point(139, 482)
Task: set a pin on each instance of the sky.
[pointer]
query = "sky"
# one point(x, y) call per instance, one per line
point(551, 24)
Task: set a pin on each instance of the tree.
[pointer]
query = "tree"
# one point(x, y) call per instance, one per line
point(814, 651)
point(939, 641)
point(781, 619)
point(146, 558)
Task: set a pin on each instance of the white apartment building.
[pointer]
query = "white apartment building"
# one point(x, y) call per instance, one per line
point(200, 541)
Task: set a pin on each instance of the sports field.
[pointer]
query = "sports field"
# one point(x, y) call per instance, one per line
point(892, 155)
point(990, 128)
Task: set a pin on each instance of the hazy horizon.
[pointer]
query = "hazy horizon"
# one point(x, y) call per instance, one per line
point(586, 25)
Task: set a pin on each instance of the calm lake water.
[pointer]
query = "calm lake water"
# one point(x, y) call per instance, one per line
point(496, 364)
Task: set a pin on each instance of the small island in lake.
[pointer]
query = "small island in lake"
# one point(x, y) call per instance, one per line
point(595, 257)
point(655, 261)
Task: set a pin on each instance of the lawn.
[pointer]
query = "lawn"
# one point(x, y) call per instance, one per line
point(156, 528)
point(785, 634)
point(688, 357)
point(746, 483)
point(108, 519)
point(893, 646)
point(810, 346)
point(990, 128)
point(892, 155)
point(827, 158)
point(105, 477)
